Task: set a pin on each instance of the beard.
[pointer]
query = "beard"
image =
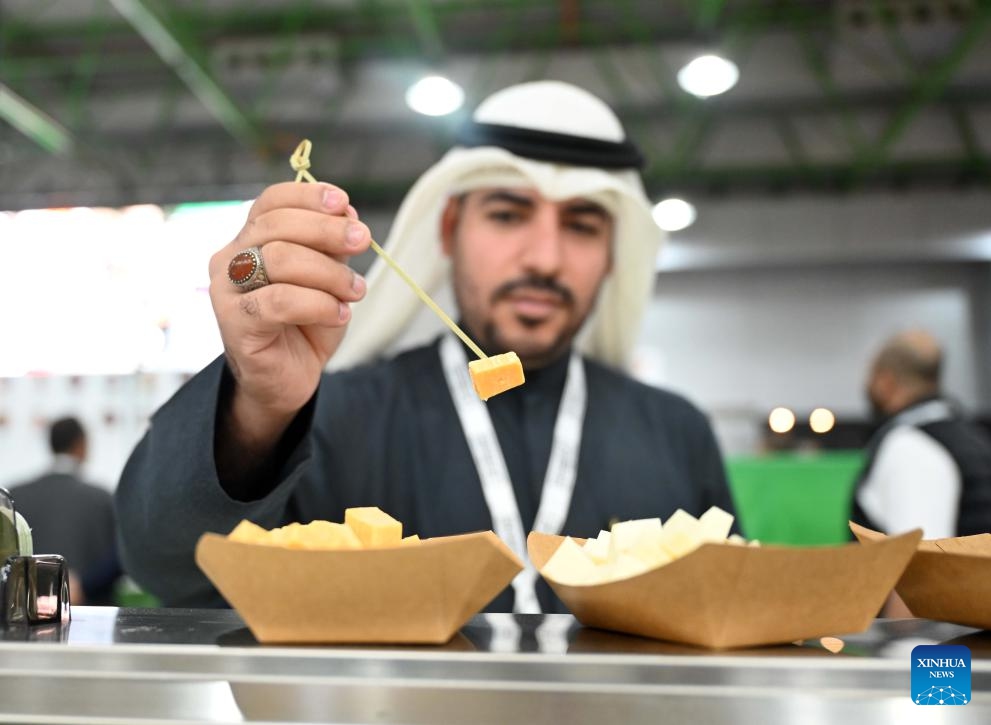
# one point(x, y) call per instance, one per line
point(532, 357)
point(544, 354)
point(494, 340)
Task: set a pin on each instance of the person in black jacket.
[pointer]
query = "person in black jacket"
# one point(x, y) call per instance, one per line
point(539, 220)
point(71, 517)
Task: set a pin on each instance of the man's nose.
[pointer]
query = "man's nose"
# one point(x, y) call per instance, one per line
point(543, 252)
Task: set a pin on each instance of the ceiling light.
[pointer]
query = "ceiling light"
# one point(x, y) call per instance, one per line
point(708, 75)
point(673, 215)
point(435, 96)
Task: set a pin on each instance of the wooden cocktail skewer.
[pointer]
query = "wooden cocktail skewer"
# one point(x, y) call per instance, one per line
point(490, 375)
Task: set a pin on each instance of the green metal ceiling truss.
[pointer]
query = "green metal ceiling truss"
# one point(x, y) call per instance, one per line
point(425, 30)
point(34, 123)
point(928, 86)
point(184, 56)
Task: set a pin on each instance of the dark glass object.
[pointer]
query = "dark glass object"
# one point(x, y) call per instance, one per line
point(33, 589)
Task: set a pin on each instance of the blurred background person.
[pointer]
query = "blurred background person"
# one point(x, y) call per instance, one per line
point(926, 466)
point(71, 517)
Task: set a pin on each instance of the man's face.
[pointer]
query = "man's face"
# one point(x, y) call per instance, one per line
point(526, 270)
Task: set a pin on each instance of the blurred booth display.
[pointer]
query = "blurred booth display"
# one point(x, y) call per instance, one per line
point(102, 326)
point(801, 499)
point(109, 305)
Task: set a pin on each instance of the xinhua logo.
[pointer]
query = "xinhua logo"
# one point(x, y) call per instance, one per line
point(941, 674)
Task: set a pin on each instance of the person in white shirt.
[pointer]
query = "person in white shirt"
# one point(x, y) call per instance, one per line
point(926, 466)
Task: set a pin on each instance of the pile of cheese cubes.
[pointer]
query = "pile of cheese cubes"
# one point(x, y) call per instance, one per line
point(635, 547)
point(363, 528)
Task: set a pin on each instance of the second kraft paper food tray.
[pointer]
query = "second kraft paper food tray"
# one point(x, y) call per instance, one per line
point(722, 596)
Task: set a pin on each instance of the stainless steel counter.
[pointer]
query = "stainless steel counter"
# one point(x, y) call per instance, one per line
point(178, 666)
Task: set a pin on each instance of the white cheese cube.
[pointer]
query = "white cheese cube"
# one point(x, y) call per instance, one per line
point(649, 550)
point(624, 567)
point(679, 543)
point(598, 549)
point(681, 534)
point(570, 565)
point(715, 524)
point(626, 534)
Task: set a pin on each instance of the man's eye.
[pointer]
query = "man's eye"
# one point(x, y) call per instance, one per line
point(505, 216)
point(584, 228)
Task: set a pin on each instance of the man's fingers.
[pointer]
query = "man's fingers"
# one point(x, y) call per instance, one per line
point(304, 267)
point(338, 237)
point(277, 305)
point(323, 198)
point(332, 235)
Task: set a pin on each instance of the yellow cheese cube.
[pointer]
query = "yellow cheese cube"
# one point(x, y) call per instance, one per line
point(569, 565)
point(413, 539)
point(290, 535)
point(715, 524)
point(496, 374)
point(325, 535)
point(373, 526)
point(248, 533)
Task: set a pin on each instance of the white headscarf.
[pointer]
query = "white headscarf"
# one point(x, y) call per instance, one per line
point(414, 241)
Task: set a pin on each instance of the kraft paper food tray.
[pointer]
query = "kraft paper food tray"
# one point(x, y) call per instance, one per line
point(410, 594)
point(948, 580)
point(722, 595)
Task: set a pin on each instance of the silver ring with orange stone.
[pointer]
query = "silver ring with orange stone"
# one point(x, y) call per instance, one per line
point(246, 270)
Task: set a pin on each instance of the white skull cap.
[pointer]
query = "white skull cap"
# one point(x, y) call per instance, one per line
point(551, 106)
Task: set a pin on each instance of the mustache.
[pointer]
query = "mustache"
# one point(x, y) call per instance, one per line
point(540, 284)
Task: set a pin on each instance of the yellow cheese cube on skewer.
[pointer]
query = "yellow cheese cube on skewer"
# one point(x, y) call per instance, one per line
point(496, 374)
point(373, 526)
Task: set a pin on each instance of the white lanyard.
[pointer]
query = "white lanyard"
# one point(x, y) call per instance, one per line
point(562, 468)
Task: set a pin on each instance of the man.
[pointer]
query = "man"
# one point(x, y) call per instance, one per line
point(926, 466)
point(72, 518)
point(540, 215)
